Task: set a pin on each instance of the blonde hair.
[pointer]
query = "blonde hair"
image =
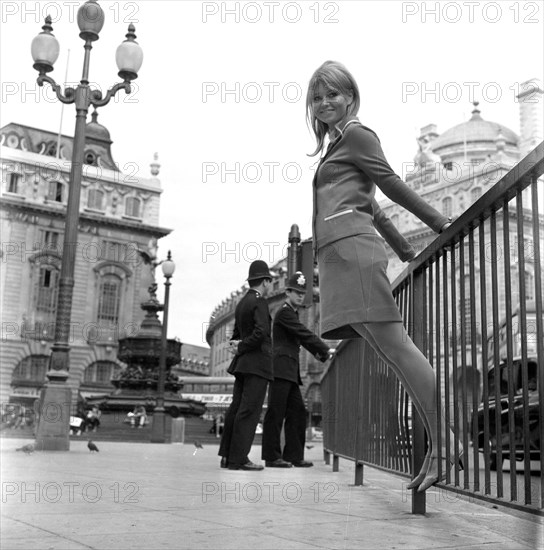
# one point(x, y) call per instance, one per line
point(334, 75)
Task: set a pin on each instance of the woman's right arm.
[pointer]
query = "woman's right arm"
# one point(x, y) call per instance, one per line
point(367, 154)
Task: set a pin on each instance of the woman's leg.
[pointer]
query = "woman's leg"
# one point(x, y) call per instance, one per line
point(392, 343)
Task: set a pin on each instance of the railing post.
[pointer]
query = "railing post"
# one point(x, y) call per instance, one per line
point(418, 430)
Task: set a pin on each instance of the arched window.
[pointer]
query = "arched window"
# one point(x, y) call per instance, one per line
point(95, 199)
point(101, 372)
point(109, 298)
point(447, 207)
point(31, 369)
point(132, 207)
point(395, 220)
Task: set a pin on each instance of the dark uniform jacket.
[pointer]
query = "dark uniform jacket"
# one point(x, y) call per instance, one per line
point(252, 324)
point(288, 335)
point(344, 186)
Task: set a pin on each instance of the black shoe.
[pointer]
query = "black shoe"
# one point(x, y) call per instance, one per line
point(303, 464)
point(224, 462)
point(249, 466)
point(278, 463)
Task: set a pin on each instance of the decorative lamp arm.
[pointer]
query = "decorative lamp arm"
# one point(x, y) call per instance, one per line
point(96, 96)
point(69, 95)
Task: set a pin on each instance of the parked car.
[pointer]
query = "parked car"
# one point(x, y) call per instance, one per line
point(500, 437)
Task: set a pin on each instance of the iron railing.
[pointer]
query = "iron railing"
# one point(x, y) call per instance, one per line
point(472, 302)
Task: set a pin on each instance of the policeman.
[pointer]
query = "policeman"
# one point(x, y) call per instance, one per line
point(252, 368)
point(285, 401)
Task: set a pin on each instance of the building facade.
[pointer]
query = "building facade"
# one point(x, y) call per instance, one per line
point(119, 215)
point(195, 361)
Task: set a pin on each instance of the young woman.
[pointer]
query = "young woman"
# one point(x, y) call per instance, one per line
point(356, 298)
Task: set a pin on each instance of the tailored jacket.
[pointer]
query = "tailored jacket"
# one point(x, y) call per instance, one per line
point(343, 191)
point(287, 337)
point(252, 324)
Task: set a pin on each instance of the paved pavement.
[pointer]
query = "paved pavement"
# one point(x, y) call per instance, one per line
point(142, 495)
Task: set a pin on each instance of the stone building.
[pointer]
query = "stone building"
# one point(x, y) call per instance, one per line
point(195, 361)
point(454, 169)
point(119, 216)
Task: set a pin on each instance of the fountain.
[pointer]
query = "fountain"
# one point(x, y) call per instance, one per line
point(137, 383)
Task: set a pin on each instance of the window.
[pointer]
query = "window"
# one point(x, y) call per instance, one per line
point(95, 199)
point(90, 158)
point(475, 194)
point(101, 372)
point(32, 368)
point(529, 286)
point(447, 206)
point(47, 290)
point(395, 220)
point(109, 297)
point(448, 165)
point(50, 149)
point(132, 207)
point(51, 241)
point(13, 183)
point(118, 252)
point(56, 191)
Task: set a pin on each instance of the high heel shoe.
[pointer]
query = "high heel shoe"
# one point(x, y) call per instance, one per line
point(422, 473)
point(434, 478)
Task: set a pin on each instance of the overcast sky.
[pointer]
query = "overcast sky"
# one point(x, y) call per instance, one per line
point(221, 98)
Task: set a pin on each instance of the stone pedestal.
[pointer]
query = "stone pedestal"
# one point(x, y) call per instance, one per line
point(54, 424)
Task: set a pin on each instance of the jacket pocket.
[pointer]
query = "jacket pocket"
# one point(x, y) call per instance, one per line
point(338, 214)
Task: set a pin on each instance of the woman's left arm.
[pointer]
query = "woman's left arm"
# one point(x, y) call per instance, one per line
point(367, 154)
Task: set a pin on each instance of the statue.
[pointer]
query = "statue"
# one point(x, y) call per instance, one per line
point(149, 257)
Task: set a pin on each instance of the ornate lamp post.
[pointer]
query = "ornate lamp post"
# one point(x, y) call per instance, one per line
point(55, 401)
point(157, 428)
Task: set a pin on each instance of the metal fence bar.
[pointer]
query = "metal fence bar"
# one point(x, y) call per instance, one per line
point(539, 333)
point(474, 361)
point(485, 372)
point(496, 357)
point(523, 329)
point(509, 344)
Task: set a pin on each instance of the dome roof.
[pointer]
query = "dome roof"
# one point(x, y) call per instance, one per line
point(95, 130)
point(475, 129)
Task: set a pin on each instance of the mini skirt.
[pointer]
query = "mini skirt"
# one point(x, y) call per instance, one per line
point(353, 286)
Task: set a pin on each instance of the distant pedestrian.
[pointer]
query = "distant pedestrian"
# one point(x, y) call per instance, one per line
point(356, 297)
point(138, 417)
point(285, 402)
point(252, 369)
point(92, 419)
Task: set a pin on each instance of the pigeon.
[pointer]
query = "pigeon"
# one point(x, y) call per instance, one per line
point(198, 445)
point(92, 447)
point(309, 446)
point(28, 449)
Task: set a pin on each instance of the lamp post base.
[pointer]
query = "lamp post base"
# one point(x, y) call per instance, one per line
point(53, 433)
point(158, 426)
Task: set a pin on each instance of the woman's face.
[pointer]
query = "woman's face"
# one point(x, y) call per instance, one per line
point(329, 105)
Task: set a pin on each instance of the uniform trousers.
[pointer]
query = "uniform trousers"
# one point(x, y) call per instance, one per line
point(284, 402)
point(242, 417)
